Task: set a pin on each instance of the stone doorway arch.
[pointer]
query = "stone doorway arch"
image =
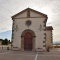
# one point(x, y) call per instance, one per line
point(28, 38)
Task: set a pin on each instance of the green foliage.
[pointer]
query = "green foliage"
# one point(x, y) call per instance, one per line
point(1, 39)
point(5, 41)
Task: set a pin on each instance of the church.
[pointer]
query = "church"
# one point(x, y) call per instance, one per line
point(29, 31)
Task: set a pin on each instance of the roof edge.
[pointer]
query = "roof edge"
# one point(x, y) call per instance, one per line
point(49, 28)
point(31, 10)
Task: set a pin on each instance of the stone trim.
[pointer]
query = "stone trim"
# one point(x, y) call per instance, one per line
point(45, 37)
point(28, 13)
point(44, 29)
point(51, 37)
point(43, 41)
point(33, 39)
point(27, 17)
point(12, 29)
point(44, 45)
point(44, 25)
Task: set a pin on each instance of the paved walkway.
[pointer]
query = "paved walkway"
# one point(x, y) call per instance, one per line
point(28, 55)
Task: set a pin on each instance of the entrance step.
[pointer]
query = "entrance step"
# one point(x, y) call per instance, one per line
point(15, 48)
point(40, 50)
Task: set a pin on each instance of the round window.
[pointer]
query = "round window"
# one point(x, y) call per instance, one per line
point(28, 22)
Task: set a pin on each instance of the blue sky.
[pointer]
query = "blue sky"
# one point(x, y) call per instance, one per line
point(6, 34)
point(9, 8)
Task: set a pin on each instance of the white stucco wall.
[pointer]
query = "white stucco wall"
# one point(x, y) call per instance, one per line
point(49, 38)
point(22, 15)
point(33, 14)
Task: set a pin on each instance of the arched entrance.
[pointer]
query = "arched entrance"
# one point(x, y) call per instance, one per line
point(28, 40)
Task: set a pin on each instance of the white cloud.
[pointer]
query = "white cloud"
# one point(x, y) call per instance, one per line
point(11, 7)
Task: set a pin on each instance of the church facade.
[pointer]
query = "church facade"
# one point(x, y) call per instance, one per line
point(29, 31)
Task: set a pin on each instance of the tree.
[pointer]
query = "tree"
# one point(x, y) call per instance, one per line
point(6, 41)
point(1, 39)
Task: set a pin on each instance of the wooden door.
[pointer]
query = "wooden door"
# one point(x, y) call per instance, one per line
point(28, 41)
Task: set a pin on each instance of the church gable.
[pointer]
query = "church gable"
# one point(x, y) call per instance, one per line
point(20, 14)
point(34, 13)
point(30, 13)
